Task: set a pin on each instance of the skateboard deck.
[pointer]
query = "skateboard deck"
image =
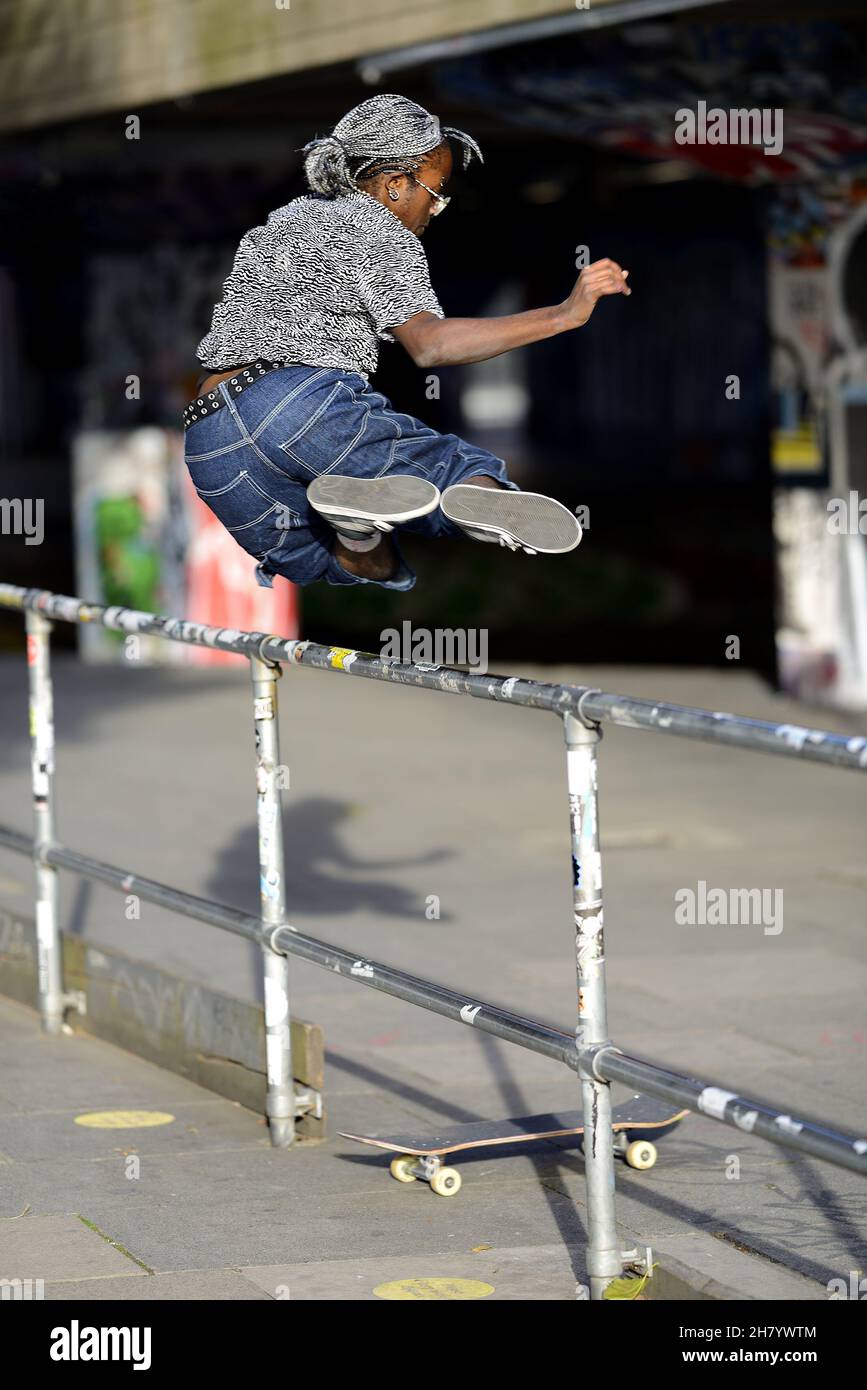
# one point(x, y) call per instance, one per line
point(636, 1123)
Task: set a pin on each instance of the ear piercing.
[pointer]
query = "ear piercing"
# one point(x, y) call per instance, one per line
point(393, 195)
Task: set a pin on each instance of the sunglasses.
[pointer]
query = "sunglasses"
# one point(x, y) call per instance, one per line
point(441, 202)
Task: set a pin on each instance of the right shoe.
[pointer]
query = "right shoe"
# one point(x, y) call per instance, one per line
point(360, 507)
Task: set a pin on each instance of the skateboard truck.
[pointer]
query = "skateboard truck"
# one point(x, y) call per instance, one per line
point(638, 1153)
point(445, 1182)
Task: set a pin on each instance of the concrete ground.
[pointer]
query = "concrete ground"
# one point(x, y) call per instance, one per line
point(399, 797)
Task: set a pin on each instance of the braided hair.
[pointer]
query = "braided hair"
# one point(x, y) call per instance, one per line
point(386, 133)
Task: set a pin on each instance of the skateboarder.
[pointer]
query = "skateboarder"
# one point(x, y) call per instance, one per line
point(307, 465)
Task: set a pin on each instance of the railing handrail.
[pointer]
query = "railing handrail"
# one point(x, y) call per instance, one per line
point(845, 1150)
point(586, 703)
point(592, 1054)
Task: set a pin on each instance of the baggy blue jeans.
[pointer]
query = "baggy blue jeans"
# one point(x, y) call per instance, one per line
point(252, 461)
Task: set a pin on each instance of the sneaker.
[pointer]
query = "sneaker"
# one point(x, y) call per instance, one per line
point(359, 507)
point(525, 521)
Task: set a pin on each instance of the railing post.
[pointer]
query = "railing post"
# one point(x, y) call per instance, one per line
point(48, 945)
point(604, 1260)
point(280, 1097)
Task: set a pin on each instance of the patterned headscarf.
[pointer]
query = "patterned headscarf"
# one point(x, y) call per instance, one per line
point(383, 127)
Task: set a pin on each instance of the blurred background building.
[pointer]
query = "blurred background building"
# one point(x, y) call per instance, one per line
point(710, 425)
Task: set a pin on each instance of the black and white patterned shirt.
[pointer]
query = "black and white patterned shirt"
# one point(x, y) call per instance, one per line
point(320, 283)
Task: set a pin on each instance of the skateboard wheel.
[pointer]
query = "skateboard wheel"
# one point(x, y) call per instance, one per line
point(401, 1168)
point(641, 1154)
point(446, 1183)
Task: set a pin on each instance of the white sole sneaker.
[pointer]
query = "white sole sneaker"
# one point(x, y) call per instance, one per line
point(519, 520)
point(363, 506)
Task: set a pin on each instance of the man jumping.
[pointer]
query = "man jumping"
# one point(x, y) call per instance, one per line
point(308, 467)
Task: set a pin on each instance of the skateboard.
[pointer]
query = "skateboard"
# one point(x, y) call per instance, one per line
point(421, 1156)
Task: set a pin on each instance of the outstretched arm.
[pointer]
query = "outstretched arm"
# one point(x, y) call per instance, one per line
point(433, 342)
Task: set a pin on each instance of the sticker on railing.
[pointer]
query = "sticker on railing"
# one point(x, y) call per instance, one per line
point(341, 657)
point(788, 1125)
point(713, 1101)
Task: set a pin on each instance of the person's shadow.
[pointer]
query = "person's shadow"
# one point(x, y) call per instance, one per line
point(323, 876)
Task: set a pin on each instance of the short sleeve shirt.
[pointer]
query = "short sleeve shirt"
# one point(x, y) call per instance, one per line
point(321, 283)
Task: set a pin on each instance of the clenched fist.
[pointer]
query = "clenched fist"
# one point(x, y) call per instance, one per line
point(596, 280)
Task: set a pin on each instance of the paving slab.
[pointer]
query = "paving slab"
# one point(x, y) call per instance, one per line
point(59, 1247)
point(697, 1267)
point(193, 1285)
point(525, 1273)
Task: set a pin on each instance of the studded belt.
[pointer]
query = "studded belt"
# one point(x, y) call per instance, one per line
point(214, 400)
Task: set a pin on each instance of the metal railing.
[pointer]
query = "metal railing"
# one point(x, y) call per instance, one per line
point(590, 1052)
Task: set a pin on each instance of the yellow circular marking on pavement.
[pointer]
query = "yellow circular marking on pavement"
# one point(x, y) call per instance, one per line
point(123, 1119)
point(433, 1288)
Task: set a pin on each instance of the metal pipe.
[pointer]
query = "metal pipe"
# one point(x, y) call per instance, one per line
point(17, 841)
point(280, 1097)
point(739, 1112)
point(730, 730)
point(608, 1063)
point(49, 949)
point(440, 999)
point(604, 1261)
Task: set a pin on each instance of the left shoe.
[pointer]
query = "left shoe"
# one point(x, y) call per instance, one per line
point(526, 521)
point(362, 507)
